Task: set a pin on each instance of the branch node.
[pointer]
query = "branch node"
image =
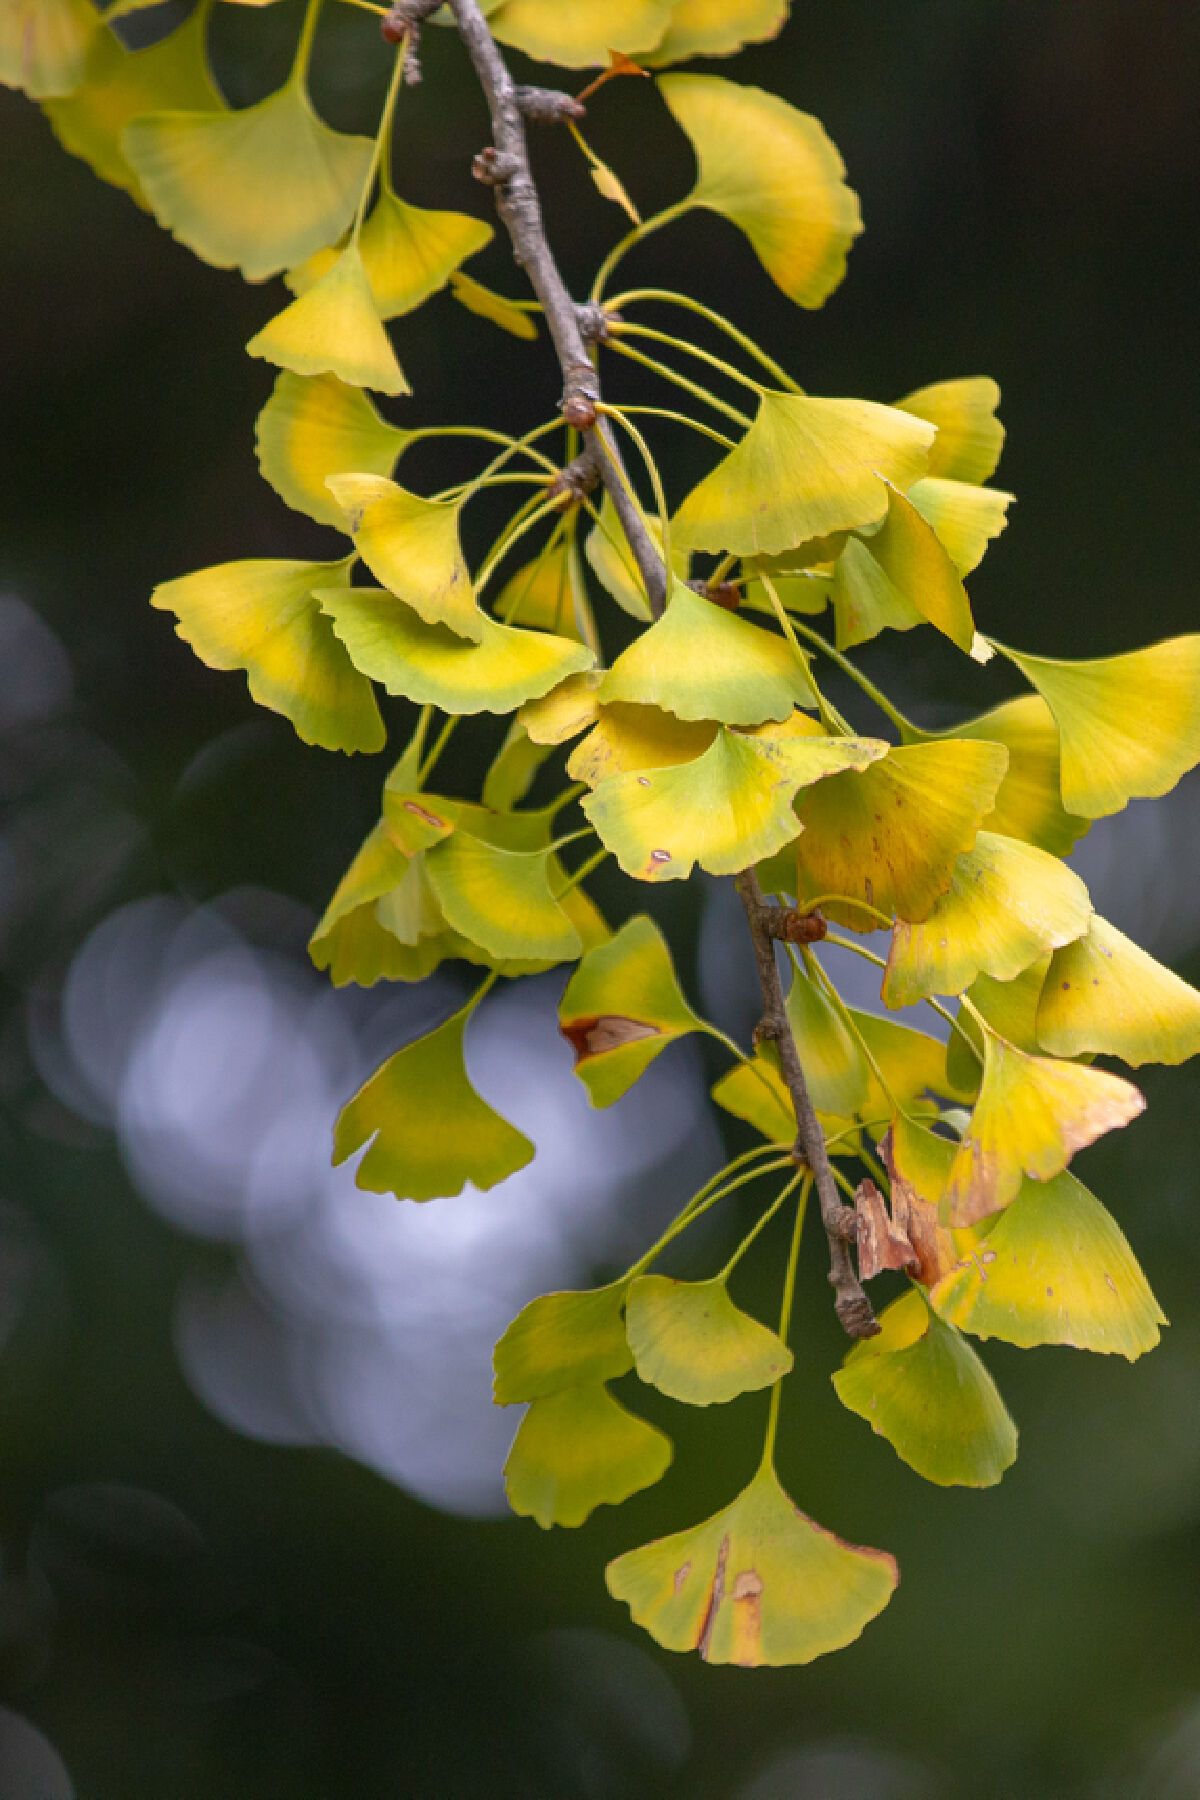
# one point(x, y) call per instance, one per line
point(724, 594)
point(495, 168)
point(595, 322)
point(404, 18)
point(548, 106)
point(576, 480)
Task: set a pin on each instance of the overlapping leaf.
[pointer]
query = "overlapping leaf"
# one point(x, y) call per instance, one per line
point(565, 711)
point(627, 739)
point(313, 428)
point(897, 578)
point(716, 28)
point(44, 45)
point(622, 1007)
point(408, 252)
point(501, 900)
point(612, 561)
point(334, 329)
point(691, 1342)
point(1029, 803)
point(412, 545)
point(970, 437)
point(834, 1066)
point(1104, 994)
point(966, 518)
point(563, 1340)
point(577, 1449)
point(582, 33)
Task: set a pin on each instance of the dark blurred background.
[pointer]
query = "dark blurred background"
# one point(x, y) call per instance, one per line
point(252, 1539)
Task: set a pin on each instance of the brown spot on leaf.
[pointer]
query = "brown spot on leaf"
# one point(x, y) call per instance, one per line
point(426, 817)
point(1110, 1283)
point(608, 1031)
point(748, 1585)
point(660, 856)
point(881, 1245)
point(704, 1642)
point(643, 781)
point(681, 1575)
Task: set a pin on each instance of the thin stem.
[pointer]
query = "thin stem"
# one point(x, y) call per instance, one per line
point(680, 381)
point(785, 1320)
point(380, 12)
point(639, 233)
point(535, 518)
point(583, 871)
point(660, 497)
point(880, 962)
point(512, 447)
point(383, 137)
point(670, 298)
point(717, 1188)
point(759, 1225)
point(304, 44)
point(678, 418)
point(903, 726)
point(829, 713)
point(844, 1182)
point(439, 744)
point(815, 971)
point(885, 919)
point(872, 1162)
point(619, 332)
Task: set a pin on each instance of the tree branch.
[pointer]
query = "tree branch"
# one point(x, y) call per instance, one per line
point(519, 207)
point(852, 1306)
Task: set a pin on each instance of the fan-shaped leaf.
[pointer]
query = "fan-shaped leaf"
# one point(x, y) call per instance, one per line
point(485, 304)
point(408, 253)
point(772, 170)
point(622, 1008)
point(578, 1449)
point(44, 45)
point(501, 900)
point(561, 1341)
point(334, 329)
point(920, 1386)
point(412, 546)
point(966, 518)
point(313, 428)
point(1104, 994)
point(716, 28)
point(350, 942)
point(565, 711)
point(1029, 803)
point(913, 1064)
point(834, 1066)
point(582, 34)
point(899, 577)
point(1054, 1268)
point(758, 1583)
point(970, 437)
point(541, 595)
point(691, 1342)
point(633, 738)
point(757, 1093)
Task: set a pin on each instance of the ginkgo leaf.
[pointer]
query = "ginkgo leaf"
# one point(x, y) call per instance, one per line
point(611, 187)
point(485, 304)
point(1029, 803)
point(513, 769)
point(716, 28)
point(119, 84)
point(691, 1342)
point(1009, 1007)
point(614, 567)
point(970, 437)
point(758, 1583)
point(501, 900)
point(412, 545)
point(634, 738)
point(1054, 1268)
point(890, 836)
point(428, 1131)
point(262, 616)
point(833, 1063)
point(804, 469)
point(899, 577)
point(1104, 994)
point(727, 809)
point(808, 593)
point(1031, 1116)
point(924, 1389)
point(435, 667)
point(563, 1340)
point(700, 662)
point(757, 1093)
point(918, 1162)
point(622, 1007)
point(580, 35)
point(417, 821)
point(541, 594)
point(44, 45)
point(773, 171)
point(1129, 725)
point(577, 1449)
point(565, 711)
point(408, 253)
point(334, 329)
point(1007, 904)
point(912, 1063)
point(312, 428)
point(353, 943)
point(259, 190)
point(966, 518)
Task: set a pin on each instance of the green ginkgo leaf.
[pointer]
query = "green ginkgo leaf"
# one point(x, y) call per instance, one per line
point(913, 1065)
point(334, 329)
point(1009, 1007)
point(615, 569)
point(1055, 1268)
point(758, 1583)
point(561, 1341)
point(890, 836)
point(924, 1389)
point(582, 34)
point(435, 667)
point(833, 1063)
point(119, 84)
point(700, 662)
point(485, 304)
point(966, 518)
point(412, 545)
point(565, 711)
point(809, 592)
point(1007, 904)
point(716, 28)
point(428, 1131)
point(408, 253)
point(578, 1449)
point(1032, 1115)
point(262, 616)
point(729, 808)
point(260, 189)
point(1029, 803)
point(806, 468)
point(773, 171)
point(970, 437)
point(501, 900)
point(541, 595)
point(1129, 725)
point(1103, 994)
point(382, 923)
point(757, 1093)
point(513, 770)
point(897, 578)
point(622, 1007)
point(691, 1342)
point(44, 45)
point(628, 739)
point(313, 428)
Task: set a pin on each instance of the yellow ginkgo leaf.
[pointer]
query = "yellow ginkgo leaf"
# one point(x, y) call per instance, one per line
point(501, 900)
point(358, 942)
point(412, 545)
point(758, 1583)
point(1009, 1007)
point(333, 328)
point(542, 594)
point(260, 189)
point(119, 84)
point(757, 1093)
point(44, 44)
point(1029, 803)
point(1054, 1268)
point(262, 616)
point(486, 305)
point(716, 28)
point(891, 836)
point(691, 1342)
point(580, 35)
point(1007, 904)
point(833, 1063)
point(435, 667)
point(725, 810)
point(612, 562)
point(565, 711)
point(899, 577)
point(622, 1007)
point(560, 1341)
point(1129, 725)
point(1032, 1115)
point(408, 253)
point(634, 738)
point(312, 428)
point(1105, 995)
point(700, 662)
point(806, 468)
point(966, 518)
point(773, 171)
point(577, 1449)
point(970, 437)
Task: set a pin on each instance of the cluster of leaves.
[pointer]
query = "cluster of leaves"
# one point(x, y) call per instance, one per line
point(707, 740)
